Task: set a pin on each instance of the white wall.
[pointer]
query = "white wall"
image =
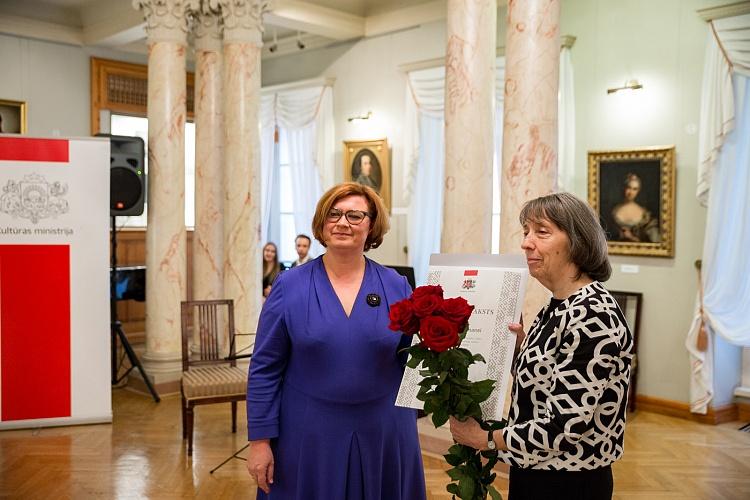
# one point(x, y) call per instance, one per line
point(52, 79)
point(662, 44)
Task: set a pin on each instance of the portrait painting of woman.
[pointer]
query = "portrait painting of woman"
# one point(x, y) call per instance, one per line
point(633, 194)
point(633, 221)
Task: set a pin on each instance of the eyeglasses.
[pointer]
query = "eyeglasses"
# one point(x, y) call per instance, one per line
point(354, 217)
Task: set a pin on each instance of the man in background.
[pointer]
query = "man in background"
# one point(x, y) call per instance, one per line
point(302, 243)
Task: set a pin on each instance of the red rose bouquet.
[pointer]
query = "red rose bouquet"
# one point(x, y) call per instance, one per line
point(441, 325)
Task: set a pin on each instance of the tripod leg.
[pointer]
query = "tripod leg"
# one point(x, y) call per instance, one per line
point(113, 340)
point(134, 361)
point(234, 455)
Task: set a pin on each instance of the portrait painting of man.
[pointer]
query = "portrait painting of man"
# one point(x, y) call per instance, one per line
point(366, 169)
point(367, 163)
point(12, 117)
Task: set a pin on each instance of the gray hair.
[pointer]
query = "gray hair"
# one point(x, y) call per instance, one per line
point(588, 243)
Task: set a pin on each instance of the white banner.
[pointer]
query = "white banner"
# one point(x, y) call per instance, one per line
point(54, 281)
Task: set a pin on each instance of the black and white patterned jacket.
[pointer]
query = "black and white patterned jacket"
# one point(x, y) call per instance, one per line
point(571, 383)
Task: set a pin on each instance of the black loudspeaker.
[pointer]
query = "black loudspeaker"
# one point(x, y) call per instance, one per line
point(127, 175)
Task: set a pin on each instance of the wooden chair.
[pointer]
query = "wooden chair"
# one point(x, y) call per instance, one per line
point(209, 373)
point(630, 304)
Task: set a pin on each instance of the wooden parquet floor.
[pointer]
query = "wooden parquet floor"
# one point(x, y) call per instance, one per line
point(142, 455)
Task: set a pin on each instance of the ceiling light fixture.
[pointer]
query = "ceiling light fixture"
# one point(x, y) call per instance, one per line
point(275, 45)
point(366, 116)
point(629, 85)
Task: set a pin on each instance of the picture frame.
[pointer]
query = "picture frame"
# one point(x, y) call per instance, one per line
point(12, 117)
point(374, 156)
point(633, 192)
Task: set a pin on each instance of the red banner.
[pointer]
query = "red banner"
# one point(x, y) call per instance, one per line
point(35, 331)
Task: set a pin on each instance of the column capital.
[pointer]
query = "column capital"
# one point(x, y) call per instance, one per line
point(243, 20)
point(166, 20)
point(207, 21)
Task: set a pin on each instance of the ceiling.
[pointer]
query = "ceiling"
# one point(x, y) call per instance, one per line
point(116, 25)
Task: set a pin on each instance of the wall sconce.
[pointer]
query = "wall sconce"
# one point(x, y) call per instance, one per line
point(300, 44)
point(366, 116)
point(629, 85)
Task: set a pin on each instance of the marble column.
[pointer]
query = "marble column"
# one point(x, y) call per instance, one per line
point(529, 170)
point(469, 123)
point(243, 31)
point(208, 238)
point(166, 26)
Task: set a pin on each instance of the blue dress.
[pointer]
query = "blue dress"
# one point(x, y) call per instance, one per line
point(322, 387)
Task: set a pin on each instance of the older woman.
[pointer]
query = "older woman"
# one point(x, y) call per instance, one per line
point(325, 371)
point(572, 372)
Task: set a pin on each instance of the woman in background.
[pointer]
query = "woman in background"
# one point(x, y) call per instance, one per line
point(271, 267)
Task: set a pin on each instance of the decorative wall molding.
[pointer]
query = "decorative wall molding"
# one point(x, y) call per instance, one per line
point(243, 20)
point(728, 10)
point(167, 20)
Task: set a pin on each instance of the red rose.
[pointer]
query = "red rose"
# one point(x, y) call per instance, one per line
point(402, 318)
point(456, 310)
point(438, 334)
point(426, 305)
point(421, 291)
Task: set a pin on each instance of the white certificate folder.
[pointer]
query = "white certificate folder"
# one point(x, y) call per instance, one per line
point(495, 285)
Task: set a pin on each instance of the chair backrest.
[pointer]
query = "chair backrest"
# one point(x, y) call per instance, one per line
point(630, 304)
point(406, 272)
point(207, 333)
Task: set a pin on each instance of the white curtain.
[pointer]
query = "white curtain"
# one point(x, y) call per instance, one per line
point(425, 156)
point(306, 117)
point(724, 184)
point(566, 118)
point(268, 158)
point(424, 147)
point(727, 51)
point(726, 265)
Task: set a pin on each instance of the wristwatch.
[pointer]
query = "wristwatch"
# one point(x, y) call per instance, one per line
point(491, 442)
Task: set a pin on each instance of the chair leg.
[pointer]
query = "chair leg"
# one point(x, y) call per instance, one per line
point(234, 416)
point(184, 418)
point(189, 411)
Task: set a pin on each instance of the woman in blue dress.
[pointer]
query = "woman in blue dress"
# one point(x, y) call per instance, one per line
point(326, 370)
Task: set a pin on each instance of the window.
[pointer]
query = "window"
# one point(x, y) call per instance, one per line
point(137, 126)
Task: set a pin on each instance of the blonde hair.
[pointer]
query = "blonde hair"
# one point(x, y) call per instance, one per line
point(379, 223)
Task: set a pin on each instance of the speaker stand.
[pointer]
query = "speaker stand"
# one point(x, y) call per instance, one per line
point(116, 327)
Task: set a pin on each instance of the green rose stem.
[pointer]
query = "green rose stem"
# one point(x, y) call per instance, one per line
point(446, 391)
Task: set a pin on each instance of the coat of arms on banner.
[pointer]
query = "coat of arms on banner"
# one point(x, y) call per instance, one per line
point(34, 198)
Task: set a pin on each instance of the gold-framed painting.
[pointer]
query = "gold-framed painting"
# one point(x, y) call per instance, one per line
point(12, 117)
point(633, 191)
point(368, 163)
